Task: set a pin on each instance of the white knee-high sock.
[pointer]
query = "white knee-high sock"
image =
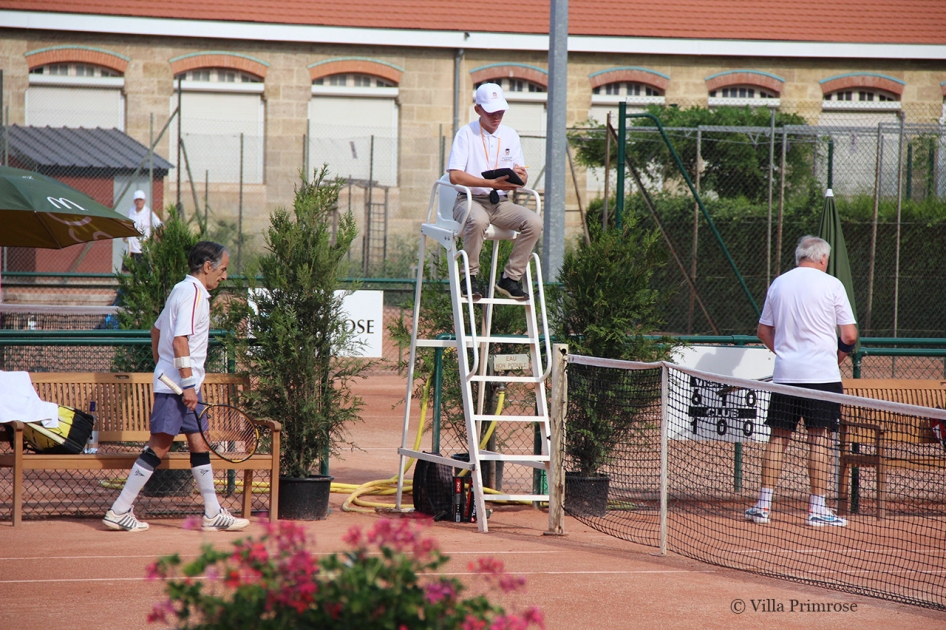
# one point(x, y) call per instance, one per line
point(765, 498)
point(204, 475)
point(137, 478)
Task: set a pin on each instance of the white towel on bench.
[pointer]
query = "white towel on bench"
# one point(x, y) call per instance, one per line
point(19, 401)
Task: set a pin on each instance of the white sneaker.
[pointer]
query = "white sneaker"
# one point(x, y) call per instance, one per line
point(759, 516)
point(223, 522)
point(126, 521)
point(828, 518)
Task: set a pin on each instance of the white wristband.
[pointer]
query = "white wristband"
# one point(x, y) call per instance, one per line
point(190, 381)
point(182, 362)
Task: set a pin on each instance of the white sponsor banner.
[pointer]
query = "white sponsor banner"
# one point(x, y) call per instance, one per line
point(715, 411)
point(364, 316)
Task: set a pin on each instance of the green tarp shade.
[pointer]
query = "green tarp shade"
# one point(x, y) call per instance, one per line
point(839, 265)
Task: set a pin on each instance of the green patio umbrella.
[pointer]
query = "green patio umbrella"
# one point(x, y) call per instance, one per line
point(39, 211)
point(839, 265)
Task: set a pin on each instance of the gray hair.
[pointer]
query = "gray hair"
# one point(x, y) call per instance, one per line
point(811, 248)
point(205, 251)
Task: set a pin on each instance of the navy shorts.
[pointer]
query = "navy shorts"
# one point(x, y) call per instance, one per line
point(169, 415)
point(785, 411)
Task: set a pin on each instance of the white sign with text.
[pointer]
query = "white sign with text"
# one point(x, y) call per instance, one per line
point(364, 315)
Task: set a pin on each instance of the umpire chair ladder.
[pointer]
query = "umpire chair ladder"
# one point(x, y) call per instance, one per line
point(472, 350)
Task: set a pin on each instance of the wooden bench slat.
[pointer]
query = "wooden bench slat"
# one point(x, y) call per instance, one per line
point(123, 409)
point(887, 432)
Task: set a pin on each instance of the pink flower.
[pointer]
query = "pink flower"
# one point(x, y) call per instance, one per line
point(233, 579)
point(472, 623)
point(511, 583)
point(160, 611)
point(534, 616)
point(192, 522)
point(488, 566)
point(155, 571)
point(257, 553)
point(353, 537)
point(436, 591)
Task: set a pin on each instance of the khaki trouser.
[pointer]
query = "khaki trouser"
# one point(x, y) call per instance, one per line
point(506, 215)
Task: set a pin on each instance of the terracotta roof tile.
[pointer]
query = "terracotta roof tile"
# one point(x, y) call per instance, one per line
point(854, 21)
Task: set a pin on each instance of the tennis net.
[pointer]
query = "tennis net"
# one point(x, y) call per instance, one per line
point(682, 452)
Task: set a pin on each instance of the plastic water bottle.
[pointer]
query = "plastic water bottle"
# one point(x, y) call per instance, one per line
point(92, 444)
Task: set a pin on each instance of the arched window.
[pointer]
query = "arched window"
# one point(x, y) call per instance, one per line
point(353, 80)
point(638, 87)
point(748, 92)
point(74, 70)
point(218, 75)
point(75, 86)
point(353, 118)
point(222, 116)
point(744, 87)
point(626, 88)
point(860, 99)
point(861, 95)
point(635, 86)
point(515, 87)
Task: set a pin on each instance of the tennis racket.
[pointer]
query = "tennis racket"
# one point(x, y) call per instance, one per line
point(228, 432)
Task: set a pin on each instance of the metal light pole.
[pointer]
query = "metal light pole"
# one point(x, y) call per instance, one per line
point(553, 240)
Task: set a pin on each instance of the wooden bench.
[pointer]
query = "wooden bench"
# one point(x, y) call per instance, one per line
point(884, 441)
point(123, 402)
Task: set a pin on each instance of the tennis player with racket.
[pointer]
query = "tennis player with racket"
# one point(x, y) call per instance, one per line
point(179, 341)
point(226, 430)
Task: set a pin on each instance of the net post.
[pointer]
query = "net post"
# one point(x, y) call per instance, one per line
point(664, 424)
point(556, 442)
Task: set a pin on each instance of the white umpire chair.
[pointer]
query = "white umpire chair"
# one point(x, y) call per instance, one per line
point(473, 349)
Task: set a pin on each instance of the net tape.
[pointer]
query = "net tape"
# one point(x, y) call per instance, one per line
point(893, 546)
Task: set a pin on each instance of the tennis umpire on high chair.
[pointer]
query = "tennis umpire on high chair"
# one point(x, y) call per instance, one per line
point(179, 342)
point(485, 145)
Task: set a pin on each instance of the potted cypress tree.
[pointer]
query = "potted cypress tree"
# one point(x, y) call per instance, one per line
point(605, 306)
point(296, 331)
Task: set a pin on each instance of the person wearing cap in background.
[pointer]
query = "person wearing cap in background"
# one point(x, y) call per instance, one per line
point(485, 145)
point(146, 222)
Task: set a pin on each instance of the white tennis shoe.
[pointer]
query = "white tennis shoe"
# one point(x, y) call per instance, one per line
point(759, 516)
point(223, 522)
point(827, 518)
point(126, 521)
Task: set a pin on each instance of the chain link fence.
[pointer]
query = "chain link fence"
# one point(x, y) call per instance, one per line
point(763, 187)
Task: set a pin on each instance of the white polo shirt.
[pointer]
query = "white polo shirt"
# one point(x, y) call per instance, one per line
point(805, 306)
point(476, 150)
point(146, 222)
point(186, 314)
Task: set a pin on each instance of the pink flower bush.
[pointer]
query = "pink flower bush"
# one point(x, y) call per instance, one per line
point(387, 579)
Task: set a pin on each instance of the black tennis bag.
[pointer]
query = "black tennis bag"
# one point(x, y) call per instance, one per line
point(70, 436)
point(433, 489)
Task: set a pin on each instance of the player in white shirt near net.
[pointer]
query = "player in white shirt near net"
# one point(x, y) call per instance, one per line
point(804, 310)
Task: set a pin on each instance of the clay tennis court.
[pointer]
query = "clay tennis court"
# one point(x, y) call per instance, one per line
point(72, 573)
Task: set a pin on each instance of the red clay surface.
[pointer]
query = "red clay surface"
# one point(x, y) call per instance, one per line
point(73, 574)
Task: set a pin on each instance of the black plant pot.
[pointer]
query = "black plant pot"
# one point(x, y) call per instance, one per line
point(586, 496)
point(304, 498)
point(169, 483)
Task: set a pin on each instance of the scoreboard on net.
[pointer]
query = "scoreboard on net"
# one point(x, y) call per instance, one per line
point(716, 411)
